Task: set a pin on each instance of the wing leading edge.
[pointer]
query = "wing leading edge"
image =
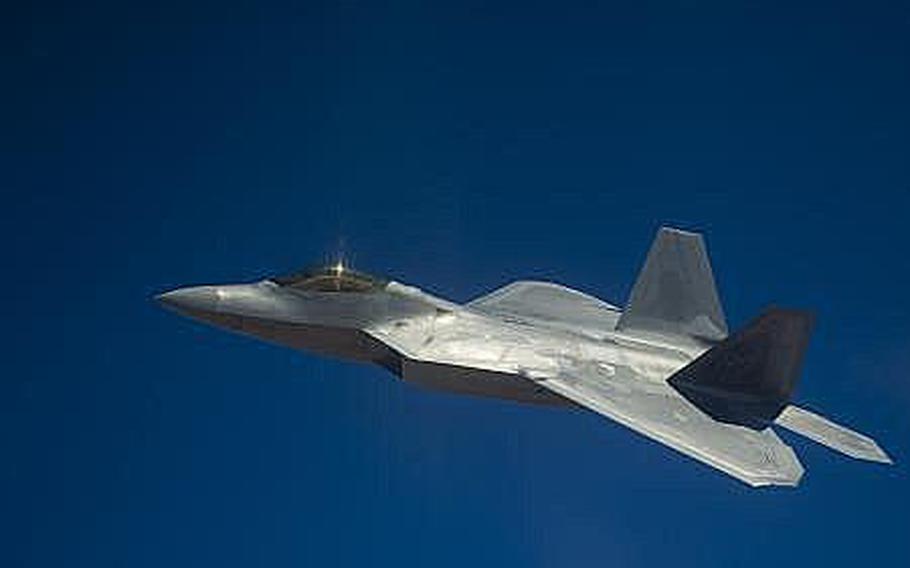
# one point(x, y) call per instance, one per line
point(551, 306)
point(756, 457)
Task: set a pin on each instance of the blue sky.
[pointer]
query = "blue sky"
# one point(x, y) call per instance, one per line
point(456, 147)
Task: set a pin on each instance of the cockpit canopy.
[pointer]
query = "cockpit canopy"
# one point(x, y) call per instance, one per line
point(337, 278)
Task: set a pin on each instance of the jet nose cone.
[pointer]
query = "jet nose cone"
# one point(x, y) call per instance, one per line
point(195, 299)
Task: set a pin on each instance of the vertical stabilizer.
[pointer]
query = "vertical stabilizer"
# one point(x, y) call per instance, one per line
point(749, 377)
point(675, 292)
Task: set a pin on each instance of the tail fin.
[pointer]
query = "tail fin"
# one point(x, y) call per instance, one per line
point(749, 377)
point(675, 292)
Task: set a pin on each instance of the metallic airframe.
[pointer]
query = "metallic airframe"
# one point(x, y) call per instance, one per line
point(665, 366)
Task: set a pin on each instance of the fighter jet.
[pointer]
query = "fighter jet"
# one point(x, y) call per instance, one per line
point(665, 366)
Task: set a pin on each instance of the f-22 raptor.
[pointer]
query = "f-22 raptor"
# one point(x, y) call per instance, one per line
point(665, 366)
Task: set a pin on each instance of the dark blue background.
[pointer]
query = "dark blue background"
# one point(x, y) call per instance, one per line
point(456, 147)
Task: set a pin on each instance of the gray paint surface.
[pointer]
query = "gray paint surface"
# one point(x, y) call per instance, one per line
point(665, 367)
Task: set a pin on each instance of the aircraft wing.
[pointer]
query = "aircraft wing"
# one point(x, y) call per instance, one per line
point(549, 305)
point(655, 409)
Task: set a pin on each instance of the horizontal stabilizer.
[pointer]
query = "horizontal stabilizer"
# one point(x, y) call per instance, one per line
point(821, 430)
point(675, 292)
